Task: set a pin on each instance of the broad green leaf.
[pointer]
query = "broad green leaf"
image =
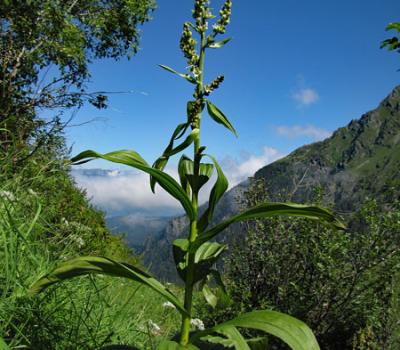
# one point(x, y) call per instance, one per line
point(233, 338)
point(188, 141)
point(219, 117)
point(205, 257)
point(186, 171)
point(210, 297)
point(3, 345)
point(133, 159)
point(182, 171)
point(99, 265)
point(274, 209)
point(171, 345)
point(395, 26)
point(161, 162)
point(218, 44)
point(188, 77)
point(290, 330)
point(219, 188)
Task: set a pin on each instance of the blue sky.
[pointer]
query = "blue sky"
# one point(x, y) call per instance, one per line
point(294, 72)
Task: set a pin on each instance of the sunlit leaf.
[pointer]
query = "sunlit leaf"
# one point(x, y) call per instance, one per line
point(218, 44)
point(210, 297)
point(100, 265)
point(290, 330)
point(219, 298)
point(205, 257)
point(182, 171)
point(232, 339)
point(133, 159)
point(274, 209)
point(161, 162)
point(188, 77)
point(218, 116)
point(219, 188)
point(3, 345)
point(395, 26)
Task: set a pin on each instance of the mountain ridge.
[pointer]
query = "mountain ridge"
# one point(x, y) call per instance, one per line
point(358, 160)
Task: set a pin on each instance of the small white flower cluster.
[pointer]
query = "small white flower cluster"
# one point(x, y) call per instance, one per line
point(154, 328)
point(197, 323)
point(7, 195)
point(78, 240)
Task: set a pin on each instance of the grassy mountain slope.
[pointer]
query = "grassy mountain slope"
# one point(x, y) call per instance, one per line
point(358, 161)
point(361, 159)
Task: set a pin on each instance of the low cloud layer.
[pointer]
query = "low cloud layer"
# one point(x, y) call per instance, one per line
point(311, 131)
point(238, 170)
point(124, 192)
point(305, 96)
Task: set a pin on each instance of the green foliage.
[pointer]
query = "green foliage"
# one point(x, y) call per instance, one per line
point(196, 255)
point(341, 284)
point(392, 43)
point(44, 218)
point(46, 48)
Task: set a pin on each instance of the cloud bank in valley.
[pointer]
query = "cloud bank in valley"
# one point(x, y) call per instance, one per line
point(122, 192)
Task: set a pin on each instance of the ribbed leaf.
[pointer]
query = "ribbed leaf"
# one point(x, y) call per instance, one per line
point(188, 77)
point(395, 26)
point(219, 117)
point(274, 209)
point(205, 257)
point(171, 345)
point(290, 330)
point(218, 44)
point(186, 171)
point(161, 162)
point(183, 166)
point(99, 265)
point(210, 297)
point(233, 338)
point(133, 159)
point(219, 188)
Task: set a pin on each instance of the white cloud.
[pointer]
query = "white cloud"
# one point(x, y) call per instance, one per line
point(124, 192)
point(305, 96)
point(117, 192)
point(239, 170)
point(312, 131)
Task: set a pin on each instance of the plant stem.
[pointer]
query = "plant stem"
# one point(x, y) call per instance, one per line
point(185, 329)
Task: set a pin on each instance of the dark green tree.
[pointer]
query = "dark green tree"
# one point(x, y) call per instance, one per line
point(392, 43)
point(46, 47)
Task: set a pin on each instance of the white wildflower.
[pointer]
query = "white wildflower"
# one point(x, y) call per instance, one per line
point(168, 305)
point(7, 195)
point(197, 323)
point(80, 242)
point(154, 328)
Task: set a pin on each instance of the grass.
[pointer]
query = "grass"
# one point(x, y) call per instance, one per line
point(85, 313)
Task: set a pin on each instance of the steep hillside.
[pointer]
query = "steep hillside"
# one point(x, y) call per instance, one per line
point(358, 161)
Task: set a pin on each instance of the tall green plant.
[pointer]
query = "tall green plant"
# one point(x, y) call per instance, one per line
point(195, 255)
